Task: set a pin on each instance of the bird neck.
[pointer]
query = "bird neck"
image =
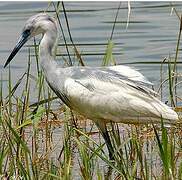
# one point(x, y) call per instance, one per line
point(48, 49)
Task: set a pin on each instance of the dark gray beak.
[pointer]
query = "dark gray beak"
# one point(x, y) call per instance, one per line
point(23, 39)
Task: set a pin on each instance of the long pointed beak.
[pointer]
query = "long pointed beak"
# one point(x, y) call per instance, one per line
point(23, 39)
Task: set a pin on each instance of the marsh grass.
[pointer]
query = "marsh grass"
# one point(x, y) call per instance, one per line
point(38, 141)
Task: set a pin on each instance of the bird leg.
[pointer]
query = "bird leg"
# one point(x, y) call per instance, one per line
point(103, 128)
point(108, 143)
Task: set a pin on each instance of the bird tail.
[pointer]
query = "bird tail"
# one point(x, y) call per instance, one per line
point(168, 114)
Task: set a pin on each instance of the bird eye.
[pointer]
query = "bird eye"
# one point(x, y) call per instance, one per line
point(27, 31)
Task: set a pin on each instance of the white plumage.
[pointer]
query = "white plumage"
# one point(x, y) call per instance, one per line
point(111, 98)
point(103, 94)
point(131, 73)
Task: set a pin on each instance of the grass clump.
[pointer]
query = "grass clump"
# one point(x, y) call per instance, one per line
point(41, 142)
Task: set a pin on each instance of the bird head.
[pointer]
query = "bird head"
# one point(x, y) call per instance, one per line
point(35, 25)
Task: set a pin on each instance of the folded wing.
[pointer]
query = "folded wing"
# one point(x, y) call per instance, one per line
point(105, 93)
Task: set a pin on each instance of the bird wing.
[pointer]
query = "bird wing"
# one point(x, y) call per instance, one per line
point(131, 73)
point(120, 75)
point(97, 93)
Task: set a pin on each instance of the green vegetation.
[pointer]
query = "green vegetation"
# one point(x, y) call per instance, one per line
point(39, 142)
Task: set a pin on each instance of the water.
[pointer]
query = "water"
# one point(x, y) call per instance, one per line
point(151, 34)
point(150, 37)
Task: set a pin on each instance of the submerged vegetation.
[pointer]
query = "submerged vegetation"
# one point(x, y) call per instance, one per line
point(39, 142)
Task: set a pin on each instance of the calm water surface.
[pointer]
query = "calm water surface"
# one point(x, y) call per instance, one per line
point(150, 36)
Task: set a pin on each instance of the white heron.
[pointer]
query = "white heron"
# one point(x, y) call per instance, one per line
point(103, 94)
